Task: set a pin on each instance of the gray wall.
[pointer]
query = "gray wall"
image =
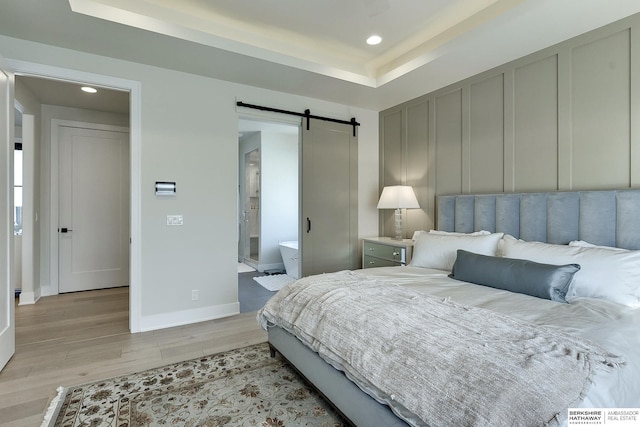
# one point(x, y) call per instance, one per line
point(559, 119)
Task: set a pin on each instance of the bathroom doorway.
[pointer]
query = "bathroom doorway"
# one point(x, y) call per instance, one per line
point(268, 207)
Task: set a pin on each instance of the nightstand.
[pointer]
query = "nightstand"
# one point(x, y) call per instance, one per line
point(385, 252)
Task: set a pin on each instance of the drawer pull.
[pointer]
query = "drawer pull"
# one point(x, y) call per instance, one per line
point(395, 253)
point(372, 262)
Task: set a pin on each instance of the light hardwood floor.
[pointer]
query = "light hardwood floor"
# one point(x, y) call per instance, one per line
point(76, 338)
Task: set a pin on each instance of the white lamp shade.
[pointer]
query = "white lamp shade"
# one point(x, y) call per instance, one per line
point(398, 197)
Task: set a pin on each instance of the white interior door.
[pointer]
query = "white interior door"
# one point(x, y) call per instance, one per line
point(7, 298)
point(93, 229)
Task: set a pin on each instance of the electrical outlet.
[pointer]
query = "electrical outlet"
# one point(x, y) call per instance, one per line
point(194, 295)
point(175, 220)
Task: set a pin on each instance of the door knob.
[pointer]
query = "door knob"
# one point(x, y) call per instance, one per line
point(65, 230)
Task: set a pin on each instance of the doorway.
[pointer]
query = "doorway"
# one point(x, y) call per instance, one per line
point(327, 196)
point(267, 192)
point(268, 208)
point(48, 230)
point(89, 148)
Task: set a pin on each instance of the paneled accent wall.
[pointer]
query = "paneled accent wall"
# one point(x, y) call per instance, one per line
point(565, 118)
point(535, 127)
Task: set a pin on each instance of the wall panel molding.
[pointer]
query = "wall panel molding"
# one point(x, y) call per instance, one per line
point(535, 112)
point(485, 158)
point(600, 121)
point(417, 161)
point(565, 128)
point(563, 118)
point(509, 132)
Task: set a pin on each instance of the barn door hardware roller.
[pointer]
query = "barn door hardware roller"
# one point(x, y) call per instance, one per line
point(307, 114)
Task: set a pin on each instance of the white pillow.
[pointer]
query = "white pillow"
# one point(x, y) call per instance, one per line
point(584, 244)
point(610, 274)
point(439, 251)
point(455, 233)
point(450, 233)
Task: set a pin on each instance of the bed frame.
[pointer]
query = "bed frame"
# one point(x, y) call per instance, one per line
point(607, 217)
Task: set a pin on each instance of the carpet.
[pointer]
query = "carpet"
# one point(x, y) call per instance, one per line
point(243, 387)
point(274, 282)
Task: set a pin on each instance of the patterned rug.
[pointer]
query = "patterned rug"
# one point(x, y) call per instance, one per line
point(243, 387)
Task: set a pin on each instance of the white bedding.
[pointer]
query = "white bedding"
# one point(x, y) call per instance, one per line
point(613, 326)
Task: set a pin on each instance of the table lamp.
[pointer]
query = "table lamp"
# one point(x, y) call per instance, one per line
point(398, 197)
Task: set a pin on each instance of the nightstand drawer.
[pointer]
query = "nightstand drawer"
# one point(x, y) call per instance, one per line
point(384, 251)
point(370, 262)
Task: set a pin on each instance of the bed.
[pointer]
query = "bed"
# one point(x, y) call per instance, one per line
point(518, 308)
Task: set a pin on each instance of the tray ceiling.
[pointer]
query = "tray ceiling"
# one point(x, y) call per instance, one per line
point(314, 48)
point(326, 37)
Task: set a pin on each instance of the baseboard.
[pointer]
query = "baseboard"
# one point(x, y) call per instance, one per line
point(47, 290)
point(272, 266)
point(27, 298)
point(186, 317)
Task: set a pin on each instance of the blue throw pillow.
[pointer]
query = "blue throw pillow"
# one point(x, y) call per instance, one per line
point(516, 275)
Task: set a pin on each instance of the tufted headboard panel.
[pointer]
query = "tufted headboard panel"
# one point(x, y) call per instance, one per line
point(606, 217)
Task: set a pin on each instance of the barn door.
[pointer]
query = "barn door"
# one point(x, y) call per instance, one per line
point(329, 198)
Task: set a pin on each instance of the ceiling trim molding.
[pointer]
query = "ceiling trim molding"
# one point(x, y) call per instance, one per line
point(130, 18)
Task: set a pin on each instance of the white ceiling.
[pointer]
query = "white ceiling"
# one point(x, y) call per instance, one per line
point(67, 94)
point(327, 37)
point(315, 48)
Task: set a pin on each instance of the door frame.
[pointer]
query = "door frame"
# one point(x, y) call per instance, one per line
point(56, 124)
point(135, 143)
point(27, 293)
point(7, 256)
point(267, 118)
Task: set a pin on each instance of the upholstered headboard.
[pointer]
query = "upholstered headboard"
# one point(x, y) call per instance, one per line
point(607, 217)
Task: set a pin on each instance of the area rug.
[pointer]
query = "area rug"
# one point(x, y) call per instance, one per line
point(274, 282)
point(243, 387)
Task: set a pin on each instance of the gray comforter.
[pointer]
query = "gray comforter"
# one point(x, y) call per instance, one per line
point(437, 362)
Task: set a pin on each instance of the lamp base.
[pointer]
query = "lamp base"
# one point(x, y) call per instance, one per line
point(398, 221)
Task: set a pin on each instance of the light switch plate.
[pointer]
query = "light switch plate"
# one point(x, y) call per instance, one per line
point(175, 220)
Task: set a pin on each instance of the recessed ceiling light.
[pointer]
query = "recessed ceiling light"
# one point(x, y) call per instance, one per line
point(374, 40)
point(89, 89)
